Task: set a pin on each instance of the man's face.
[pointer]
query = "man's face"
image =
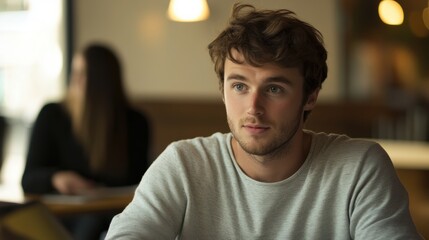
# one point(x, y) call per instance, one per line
point(264, 105)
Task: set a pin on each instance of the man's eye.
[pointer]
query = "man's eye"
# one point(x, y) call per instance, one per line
point(239, 87)
point(274, 89)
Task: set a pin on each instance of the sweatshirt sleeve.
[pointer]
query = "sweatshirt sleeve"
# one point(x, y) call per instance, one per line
point(158, 206)
point(379, 206)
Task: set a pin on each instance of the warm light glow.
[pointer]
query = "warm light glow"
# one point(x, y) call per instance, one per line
point(426, 17)
point(417, 25)
point(188, 10)
point(391, 12)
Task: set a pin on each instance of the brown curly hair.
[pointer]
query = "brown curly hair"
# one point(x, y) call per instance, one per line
point(272, 36)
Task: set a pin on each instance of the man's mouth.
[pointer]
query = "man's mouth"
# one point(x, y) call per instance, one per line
point(255, 128)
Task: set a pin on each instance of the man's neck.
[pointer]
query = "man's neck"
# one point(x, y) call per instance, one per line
point(274, 167)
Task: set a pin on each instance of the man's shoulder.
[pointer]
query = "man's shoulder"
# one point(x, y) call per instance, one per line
point(341, 141)
point(215, 137)
point(343, 149)
point(207, 143)
point(195, 154)
point(346, 156)
point(196, 150)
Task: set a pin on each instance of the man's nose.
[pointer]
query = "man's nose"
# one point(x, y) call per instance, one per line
point(256, 104)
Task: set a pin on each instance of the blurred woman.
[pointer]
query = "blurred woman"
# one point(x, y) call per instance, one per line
point(92, 138)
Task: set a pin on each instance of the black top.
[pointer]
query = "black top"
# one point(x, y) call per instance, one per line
point(53, 147)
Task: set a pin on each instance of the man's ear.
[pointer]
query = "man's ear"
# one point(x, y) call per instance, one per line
point(311, 100)
point(222, 93)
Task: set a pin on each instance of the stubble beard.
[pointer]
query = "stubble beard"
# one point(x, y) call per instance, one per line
point(279, 142)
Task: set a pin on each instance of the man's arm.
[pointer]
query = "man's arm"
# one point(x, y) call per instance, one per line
point(379, 207)
point(157, 209)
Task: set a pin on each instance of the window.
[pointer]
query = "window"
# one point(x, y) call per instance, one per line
point(32, 55)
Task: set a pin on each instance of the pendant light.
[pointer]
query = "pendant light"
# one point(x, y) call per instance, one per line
point(188, 10)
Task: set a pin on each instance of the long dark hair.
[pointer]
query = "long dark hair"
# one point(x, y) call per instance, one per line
point(103, 129)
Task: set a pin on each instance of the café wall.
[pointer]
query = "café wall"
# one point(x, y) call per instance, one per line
point(163, 59)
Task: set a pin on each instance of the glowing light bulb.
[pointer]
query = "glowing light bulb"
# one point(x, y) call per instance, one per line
point(391, 12)
point(188, 10)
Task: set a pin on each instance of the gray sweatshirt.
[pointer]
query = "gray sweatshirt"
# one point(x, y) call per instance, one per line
point(346, 189)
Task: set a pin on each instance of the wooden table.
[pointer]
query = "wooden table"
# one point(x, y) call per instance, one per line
point(68, 206)
point(112, 200)
point(110, 204)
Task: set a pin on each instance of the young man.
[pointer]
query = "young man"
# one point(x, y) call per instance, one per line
point(269, 178)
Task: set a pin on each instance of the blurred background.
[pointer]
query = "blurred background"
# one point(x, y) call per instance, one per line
point(378, 62)
point(377, 86)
